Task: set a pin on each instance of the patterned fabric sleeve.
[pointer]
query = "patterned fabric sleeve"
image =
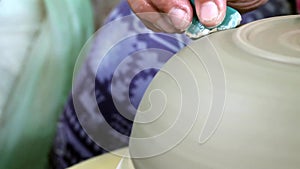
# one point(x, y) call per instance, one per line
point(72, 143)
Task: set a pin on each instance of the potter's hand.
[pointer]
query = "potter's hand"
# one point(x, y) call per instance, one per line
point(174, 16)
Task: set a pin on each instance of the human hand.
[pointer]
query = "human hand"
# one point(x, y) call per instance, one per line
point(174, 16)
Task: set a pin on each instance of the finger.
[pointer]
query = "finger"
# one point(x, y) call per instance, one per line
point(155, 28)
point(152, 27)
point(210, 12)
point(158, 20)
point(150, 14)
point(144, 10)
point(180, 12)
point(246, 5)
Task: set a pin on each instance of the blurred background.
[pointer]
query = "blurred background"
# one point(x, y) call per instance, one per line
point(39, 43)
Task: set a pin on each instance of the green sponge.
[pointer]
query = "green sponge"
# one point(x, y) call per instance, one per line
point(196, 29)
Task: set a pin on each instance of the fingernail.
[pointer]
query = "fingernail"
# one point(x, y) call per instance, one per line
point(179, 18)
point(209, 11)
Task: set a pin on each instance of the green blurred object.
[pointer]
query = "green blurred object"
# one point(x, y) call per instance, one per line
point(39, 44)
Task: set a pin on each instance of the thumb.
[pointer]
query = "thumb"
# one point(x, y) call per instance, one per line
point(210, 12)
